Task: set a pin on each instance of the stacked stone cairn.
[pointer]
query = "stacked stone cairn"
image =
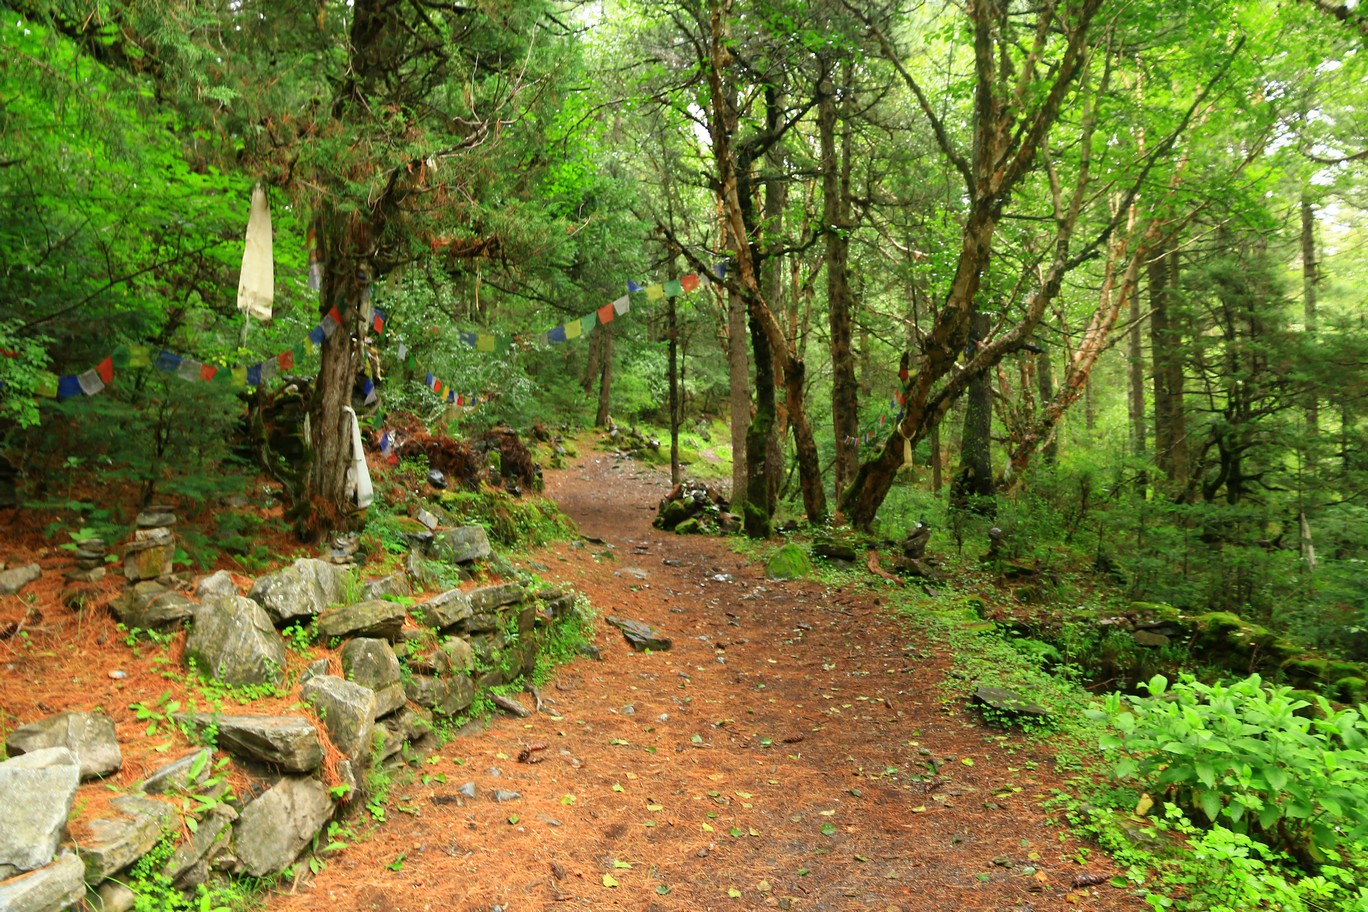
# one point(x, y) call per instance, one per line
point(90, 561)
point(406, 669)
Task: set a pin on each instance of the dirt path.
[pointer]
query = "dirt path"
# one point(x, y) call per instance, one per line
point(780, 755)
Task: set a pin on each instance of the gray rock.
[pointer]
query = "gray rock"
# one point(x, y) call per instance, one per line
point(446, 695)
point(36, 791)
point(1008, 702)
point(113, 896)
point(11, 581)
point(467, 790)
point(316, 668)
point(275, 828)
point(374, 618)
point(148, 558)
point(372, 663)
point(288, 742)
point(1150, 638)
point(446, 610)
point(461, 546)
point(185, 773)
point(213, 833)
point(233, 641)
point(502, 795)
point(347, 710)
point(57, 886)
point(218, 584)
point(635, 573)
point(90, 736)
point(156, 518)
point(149, 605)
point(456, 655)
point(396, 584)
point(833, 550)
point(487, 598)
point(640, 635)
point(299, 591)
point(116, 842)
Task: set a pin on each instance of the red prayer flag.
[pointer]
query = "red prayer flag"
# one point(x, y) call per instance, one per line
point(106, 369)
point(335, 315)
point(690, 282)
point(606, 313)
point(207, 372)
point(285, 359)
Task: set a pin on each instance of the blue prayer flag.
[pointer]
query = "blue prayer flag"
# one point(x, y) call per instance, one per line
point(68, 387)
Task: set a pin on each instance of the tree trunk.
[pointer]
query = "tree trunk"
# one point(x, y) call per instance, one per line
point(759, 508)
point(1046, 387)
point(605, 391)
point(1310, 279)
point(835, 227)
point(1170, 425)
point(738, 371)
point(672, 331)
point(1135, 374)
point(972, 487)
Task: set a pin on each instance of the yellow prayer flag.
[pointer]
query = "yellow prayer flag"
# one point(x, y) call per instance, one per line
point(239, 375)
point(484, 342)
point(139, 356)
point(572, 329)
point(655, 292)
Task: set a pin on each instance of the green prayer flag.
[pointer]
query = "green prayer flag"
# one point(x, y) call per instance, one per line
point(588, 322)
point(674, 288)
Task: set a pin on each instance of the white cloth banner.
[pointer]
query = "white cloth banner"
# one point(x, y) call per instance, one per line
point(358, 483)
point(256, 286)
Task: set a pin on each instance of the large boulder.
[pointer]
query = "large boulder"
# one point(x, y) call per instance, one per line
point(59, 885)
point(90, 736)
point(375, 618)
point(149, 605)
point(447, 694)
point(789, 562)
point(288, 742)
point(299, 591)
point(372, 663)
point(461, 546)
point(444, 611)
point(233, 641)
point(116, 842)
point(36, 791)
point(347, 710)
point(218, 584)
point(272, 830)
point(396, 584)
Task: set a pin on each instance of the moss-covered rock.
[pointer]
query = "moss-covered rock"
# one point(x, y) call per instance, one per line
point(675, 512)
point(690, 526)
point(1304, 671)
point(1350, 690)
point(789, 562)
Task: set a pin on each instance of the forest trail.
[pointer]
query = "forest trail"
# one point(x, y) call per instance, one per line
point(793, 750)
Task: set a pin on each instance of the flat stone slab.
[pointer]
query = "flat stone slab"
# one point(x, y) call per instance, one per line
point(446, 610)
point(150, 606)
point(1006, 701)
point(116, 842)
point(185, 773)
point(640, 635)
point(36, 791)
point(90, 736)
point(487, 598)
point(52, 888)
point(299, 591)
point(374, 618)
point(288, 742)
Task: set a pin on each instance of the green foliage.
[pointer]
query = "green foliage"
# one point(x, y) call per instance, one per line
point(513, 522)
point(1245, 757)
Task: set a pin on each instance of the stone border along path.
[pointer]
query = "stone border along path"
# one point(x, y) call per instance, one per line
point(792, 750)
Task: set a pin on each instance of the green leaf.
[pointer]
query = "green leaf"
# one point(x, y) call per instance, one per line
point(828, 829)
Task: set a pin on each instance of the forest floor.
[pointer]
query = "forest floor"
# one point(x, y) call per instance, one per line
point(797, 748)
point(793, 750)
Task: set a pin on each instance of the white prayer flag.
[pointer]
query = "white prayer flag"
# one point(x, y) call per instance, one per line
point(256, 286)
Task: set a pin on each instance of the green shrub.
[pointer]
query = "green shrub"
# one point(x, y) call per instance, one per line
point(1242, 756)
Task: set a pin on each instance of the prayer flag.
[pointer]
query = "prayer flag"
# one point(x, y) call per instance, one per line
point(46, 385)
point(207, 372)
point(451, 396)
point(587, 323)
point(437, 387)
point(167, 362)
point(622, 305)
point(484, 342)
point(403, 350)
point(674, 288)
point(317, 335)
point(91, 382)
point(430, 380)
point(572, 329)
point(369, 391)
point(68, 387)
point(254, 375)
point(378, 321)
point(469, 338)
point(633, 287)
point(503, 344)
point(605, 313)
point(689, 282)
point(721, 269)
point(286, 360)
point(655, 292)
point(384, 444)
point(106, 369)
point(256, 287)
point(189, 369)
point(556, 335)
point(239, 375)
point(270, 369)
point(298, 349)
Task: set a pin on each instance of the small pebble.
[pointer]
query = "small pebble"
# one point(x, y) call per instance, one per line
point(468, 790)
point(116, 675)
